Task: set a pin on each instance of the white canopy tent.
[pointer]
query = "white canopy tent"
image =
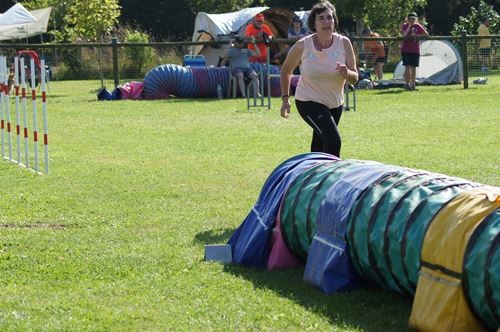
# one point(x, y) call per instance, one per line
point(19, 23)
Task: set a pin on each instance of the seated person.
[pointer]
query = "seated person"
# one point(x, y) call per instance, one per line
point(296, 30)
point(238, 57)
point(261, 32)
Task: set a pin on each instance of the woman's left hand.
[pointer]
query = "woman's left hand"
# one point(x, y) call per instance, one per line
point(342, 69)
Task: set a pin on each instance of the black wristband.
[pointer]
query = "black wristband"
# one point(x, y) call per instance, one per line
point(285, 96)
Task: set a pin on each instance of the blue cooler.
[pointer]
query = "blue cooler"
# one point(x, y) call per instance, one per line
point(194, 61)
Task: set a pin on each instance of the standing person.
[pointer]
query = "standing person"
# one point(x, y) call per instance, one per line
point(375, 52)
point(326, 61)
point(484, 44)
point(261, 32)
point(240, 65)
point(410, 48)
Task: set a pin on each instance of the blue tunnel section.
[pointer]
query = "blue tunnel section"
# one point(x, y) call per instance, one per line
point(171, 80)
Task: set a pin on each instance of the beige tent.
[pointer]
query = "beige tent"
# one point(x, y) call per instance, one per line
point(224, 26)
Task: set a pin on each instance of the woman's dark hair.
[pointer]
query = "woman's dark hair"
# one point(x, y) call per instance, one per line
point(318, 9)
point(296, 18)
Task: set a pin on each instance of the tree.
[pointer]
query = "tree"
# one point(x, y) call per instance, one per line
point(84, 20)
point(217, 6)
point(442, 14)
point(92, 20)
point(383, 15)
point(471, 22)
point(163, 20)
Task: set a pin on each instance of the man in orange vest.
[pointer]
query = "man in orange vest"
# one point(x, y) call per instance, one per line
point(261, 32)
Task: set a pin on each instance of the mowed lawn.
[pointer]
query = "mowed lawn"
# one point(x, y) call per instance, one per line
point(113, 238)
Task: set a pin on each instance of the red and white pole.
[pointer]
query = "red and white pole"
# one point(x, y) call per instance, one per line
point(2, 119)
point(18, 117)
point(44, 115)
point(7, 107)
point(33, 104)
point(25, 114)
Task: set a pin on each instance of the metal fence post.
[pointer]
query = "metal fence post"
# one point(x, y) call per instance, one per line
point(465, 64)
point(116, 75)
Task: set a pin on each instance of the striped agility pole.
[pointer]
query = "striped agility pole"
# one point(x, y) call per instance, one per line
point(18, 116)
point(7, 106)
point(35, 116)
point(2, 120)
point(19, 81)
point(44, 116)
point(25, 114)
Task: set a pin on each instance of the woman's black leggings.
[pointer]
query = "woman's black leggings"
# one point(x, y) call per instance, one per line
point(324, 122)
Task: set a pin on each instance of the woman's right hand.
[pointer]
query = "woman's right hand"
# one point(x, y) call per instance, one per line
point(285, 108)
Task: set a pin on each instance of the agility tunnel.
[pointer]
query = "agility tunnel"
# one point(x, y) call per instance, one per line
point(169, 80)
point(426, 235)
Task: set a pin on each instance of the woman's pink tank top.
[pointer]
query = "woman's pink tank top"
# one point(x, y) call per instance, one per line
point(320, 80)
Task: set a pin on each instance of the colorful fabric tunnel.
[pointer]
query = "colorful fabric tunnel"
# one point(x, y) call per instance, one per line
point(418, 233)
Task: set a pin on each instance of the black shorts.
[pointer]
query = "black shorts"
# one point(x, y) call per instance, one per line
point(410, 59)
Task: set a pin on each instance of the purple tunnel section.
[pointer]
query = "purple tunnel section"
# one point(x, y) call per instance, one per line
point(169, 80)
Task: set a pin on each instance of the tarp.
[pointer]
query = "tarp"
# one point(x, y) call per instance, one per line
point(440, 63)
point(16, 14)
point(18, 23)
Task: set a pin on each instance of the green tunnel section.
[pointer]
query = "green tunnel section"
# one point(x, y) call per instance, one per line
point(302, 201)
point(482, 270)
point(389, 212)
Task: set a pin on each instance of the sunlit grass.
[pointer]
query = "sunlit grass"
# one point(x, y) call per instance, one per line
point(113, 238)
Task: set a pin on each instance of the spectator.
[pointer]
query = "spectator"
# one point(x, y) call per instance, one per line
point(240, 65)
point(410, 48)
point(296, 31)
point(326, 61)
point(375, 52)
point(485, 43)
point(262, 33)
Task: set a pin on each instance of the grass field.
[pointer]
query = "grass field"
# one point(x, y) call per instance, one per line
point(113, 238)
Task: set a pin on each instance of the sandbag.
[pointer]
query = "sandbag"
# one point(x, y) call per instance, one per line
point(328, 265)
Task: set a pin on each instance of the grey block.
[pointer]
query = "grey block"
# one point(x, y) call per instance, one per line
point(219, 253)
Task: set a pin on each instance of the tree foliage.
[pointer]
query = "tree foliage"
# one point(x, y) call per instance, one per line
point(92, 20)
point(83, 20)
point(217, 6)
point(471, 22)
point(163, 20)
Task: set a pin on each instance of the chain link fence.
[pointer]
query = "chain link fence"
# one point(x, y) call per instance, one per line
point(110, 64)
